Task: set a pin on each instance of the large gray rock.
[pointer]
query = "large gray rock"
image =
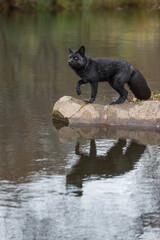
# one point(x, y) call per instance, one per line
point(74, 111)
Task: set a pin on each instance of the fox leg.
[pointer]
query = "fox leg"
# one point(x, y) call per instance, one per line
point(119, 87)
point(94, 89)
point(79, 83)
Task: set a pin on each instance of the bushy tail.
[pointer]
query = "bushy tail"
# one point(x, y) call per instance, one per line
point(138, 85)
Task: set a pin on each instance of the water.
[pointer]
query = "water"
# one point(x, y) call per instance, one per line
point(84, 182)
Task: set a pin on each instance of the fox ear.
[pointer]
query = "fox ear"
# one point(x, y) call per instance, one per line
point(70, 50)
point(81, 51)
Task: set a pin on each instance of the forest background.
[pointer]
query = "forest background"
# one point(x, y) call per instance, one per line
point(60, 5)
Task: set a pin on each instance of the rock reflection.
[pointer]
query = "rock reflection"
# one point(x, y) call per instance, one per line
point(85, 131)
point(113, 163)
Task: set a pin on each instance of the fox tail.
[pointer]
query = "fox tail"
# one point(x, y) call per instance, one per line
point(138, 85)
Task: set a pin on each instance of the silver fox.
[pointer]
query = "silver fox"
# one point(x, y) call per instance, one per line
point(115, 71)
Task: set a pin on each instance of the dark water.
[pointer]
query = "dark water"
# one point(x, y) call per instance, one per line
point(85, 182)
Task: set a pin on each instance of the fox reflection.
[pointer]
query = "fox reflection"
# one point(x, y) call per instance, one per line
point(114, 163)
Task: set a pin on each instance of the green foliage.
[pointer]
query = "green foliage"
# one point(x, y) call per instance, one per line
point(70, 4)
point(111, 4)
point(43, 4)
point(77, 4)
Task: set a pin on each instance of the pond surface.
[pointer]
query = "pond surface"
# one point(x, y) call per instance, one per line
point(86, 182)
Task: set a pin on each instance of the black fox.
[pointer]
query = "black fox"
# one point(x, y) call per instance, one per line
point(115, 71)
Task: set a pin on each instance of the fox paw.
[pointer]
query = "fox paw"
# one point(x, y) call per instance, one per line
point(90, 101)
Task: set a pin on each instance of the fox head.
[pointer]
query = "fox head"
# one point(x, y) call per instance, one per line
point(76, 58)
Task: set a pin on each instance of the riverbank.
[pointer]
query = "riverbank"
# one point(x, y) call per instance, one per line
point(60, 5)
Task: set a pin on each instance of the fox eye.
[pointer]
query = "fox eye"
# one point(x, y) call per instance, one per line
point(75, 58)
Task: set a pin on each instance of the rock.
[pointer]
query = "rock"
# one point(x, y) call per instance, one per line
point(74, 111)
